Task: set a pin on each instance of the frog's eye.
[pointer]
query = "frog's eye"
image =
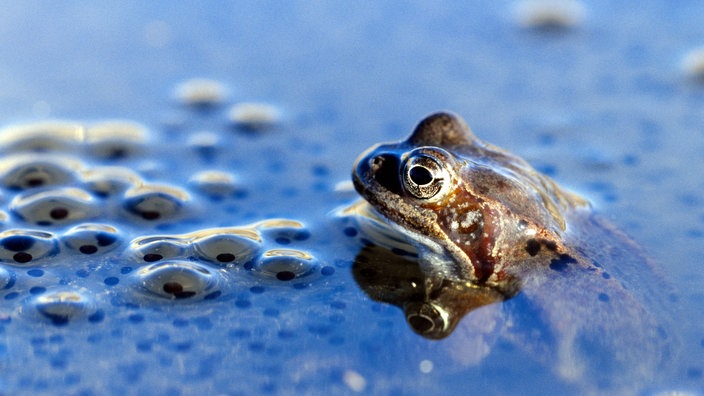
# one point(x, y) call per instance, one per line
point(423, 176)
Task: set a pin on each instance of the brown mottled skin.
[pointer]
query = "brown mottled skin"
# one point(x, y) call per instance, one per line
point(486, 227)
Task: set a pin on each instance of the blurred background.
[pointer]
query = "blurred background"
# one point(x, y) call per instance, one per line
point(606, 97)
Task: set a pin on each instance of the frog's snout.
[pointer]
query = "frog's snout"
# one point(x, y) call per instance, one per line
point(376, 170)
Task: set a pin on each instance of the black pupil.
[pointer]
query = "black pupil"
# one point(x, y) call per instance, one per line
point(420, 175)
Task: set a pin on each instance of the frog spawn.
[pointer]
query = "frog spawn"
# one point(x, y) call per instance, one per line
point(61, 177)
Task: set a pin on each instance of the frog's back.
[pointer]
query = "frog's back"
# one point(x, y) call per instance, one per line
point(605, 309)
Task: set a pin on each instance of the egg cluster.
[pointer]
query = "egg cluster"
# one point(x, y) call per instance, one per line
point(81, 227)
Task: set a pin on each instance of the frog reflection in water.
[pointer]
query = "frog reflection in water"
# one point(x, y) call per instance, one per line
point(482, 226)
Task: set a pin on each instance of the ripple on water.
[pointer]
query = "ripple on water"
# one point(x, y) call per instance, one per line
point(26, 246)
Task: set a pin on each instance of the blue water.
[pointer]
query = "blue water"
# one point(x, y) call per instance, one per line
point(604, 107)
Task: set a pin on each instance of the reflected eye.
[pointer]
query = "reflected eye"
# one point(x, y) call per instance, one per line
point(423, 176)
point(427, 319)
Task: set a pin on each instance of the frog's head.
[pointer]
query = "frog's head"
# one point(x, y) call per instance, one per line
point(459, 197)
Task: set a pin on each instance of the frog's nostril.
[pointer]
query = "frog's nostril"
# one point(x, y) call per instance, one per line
point(385, 168)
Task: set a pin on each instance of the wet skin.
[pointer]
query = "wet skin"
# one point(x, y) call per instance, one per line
point(482, 226)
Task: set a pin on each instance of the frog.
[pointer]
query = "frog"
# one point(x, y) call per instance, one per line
point(470, 227)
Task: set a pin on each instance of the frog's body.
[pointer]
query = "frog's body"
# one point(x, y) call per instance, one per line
point(483, 219)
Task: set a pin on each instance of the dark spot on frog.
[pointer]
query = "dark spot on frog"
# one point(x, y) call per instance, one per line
point(560, 263)
point(532, 247)
point(550, 245)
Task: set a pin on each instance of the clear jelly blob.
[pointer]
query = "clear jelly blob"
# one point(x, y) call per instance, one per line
point(160, 247)
point(116, 139)
point(215, 184)
point(285, 264)
point(107, 181)
point(156, 202)
point(42, 137)
point(254, 116)
point(176, 280)
point(26, 246)
point(227, 246)
point(7, 278)
point(549, 14)
point(91, 238)
point(56, 206)
point(25, 171)
point(201, 92)
point(63, 306)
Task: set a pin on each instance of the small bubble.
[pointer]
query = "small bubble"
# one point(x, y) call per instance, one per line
point(354, 381)
point(426, 366)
